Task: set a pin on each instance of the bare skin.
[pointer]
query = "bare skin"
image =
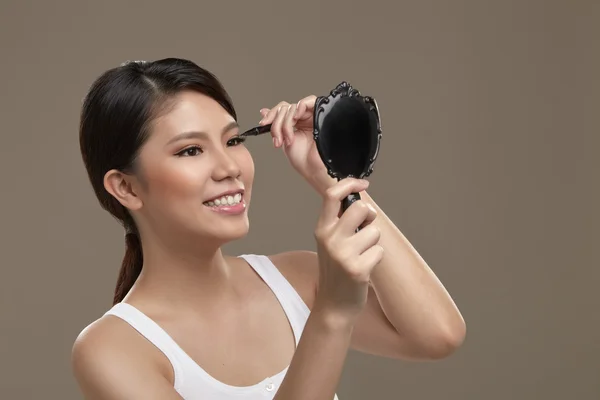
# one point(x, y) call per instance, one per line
point(218, 309)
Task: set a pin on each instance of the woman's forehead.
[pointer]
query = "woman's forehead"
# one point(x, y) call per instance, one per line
point(192, 112)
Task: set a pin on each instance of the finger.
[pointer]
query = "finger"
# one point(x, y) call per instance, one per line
point(359, 214)
point(306, 107)
point(371, 215)
point(334, 195)
point(288, 125)
point(370, 258)
point(365, 239)
point(275, 118)
point(271, 114)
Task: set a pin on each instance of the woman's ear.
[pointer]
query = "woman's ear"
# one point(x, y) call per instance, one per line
point(122, 187)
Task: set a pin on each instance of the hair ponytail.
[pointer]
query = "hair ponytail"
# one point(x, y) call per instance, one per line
point(131, 266)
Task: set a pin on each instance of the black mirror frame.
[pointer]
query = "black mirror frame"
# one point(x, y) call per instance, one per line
point(323, 103)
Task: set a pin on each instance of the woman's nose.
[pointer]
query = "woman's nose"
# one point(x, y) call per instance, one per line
point(225, 167)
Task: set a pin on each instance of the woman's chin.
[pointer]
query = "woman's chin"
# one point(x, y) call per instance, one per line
point(215, 229)
point(230, 231)
point(229, 236)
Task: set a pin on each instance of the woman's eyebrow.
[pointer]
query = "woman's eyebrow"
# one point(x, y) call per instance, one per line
point(200, 134)
point(230, 126)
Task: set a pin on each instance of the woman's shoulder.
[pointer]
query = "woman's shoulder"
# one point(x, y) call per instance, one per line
point(108, 349)
point(301, 269)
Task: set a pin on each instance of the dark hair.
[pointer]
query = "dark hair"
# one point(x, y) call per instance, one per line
point(115, 121)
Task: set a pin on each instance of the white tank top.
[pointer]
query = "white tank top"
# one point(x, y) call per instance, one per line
point(190, 380)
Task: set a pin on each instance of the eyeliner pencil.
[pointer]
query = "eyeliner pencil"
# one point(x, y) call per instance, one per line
point(258, 130)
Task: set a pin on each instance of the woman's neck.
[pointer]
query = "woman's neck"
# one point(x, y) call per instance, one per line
point(182, 276)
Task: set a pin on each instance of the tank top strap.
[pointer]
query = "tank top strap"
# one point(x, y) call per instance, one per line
point(152, 332)
point(295, 308)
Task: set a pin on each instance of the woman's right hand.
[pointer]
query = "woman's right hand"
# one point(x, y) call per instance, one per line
point(346, 257)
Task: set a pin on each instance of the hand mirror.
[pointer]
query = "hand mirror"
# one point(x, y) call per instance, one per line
point(347, 131)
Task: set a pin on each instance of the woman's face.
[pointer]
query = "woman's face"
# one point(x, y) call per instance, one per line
point(196, 174)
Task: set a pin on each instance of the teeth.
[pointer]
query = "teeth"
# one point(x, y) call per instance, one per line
point(225, 201)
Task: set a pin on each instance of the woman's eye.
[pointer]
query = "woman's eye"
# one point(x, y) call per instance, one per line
point(190, 152)
point(236, 140)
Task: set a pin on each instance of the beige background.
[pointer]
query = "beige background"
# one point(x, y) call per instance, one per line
point(489, 165)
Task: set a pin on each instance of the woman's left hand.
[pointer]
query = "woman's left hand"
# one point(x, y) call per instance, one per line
point(292, 129)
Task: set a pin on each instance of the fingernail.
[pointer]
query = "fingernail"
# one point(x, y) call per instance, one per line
point(288, 141)
point(275, 141)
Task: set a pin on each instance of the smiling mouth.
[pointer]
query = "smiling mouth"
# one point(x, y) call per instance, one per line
point(225, 201)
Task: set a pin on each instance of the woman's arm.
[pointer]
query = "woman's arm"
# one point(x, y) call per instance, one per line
point(409, 314)
point(346, 259)
point(412, 297)
point(317, 365)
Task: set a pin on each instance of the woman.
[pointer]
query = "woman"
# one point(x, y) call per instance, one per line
point(160, 143)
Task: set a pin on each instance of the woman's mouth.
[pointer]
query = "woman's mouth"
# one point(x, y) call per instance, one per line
point(229, 204)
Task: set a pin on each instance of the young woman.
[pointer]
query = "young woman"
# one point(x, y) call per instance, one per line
point(161, 147)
